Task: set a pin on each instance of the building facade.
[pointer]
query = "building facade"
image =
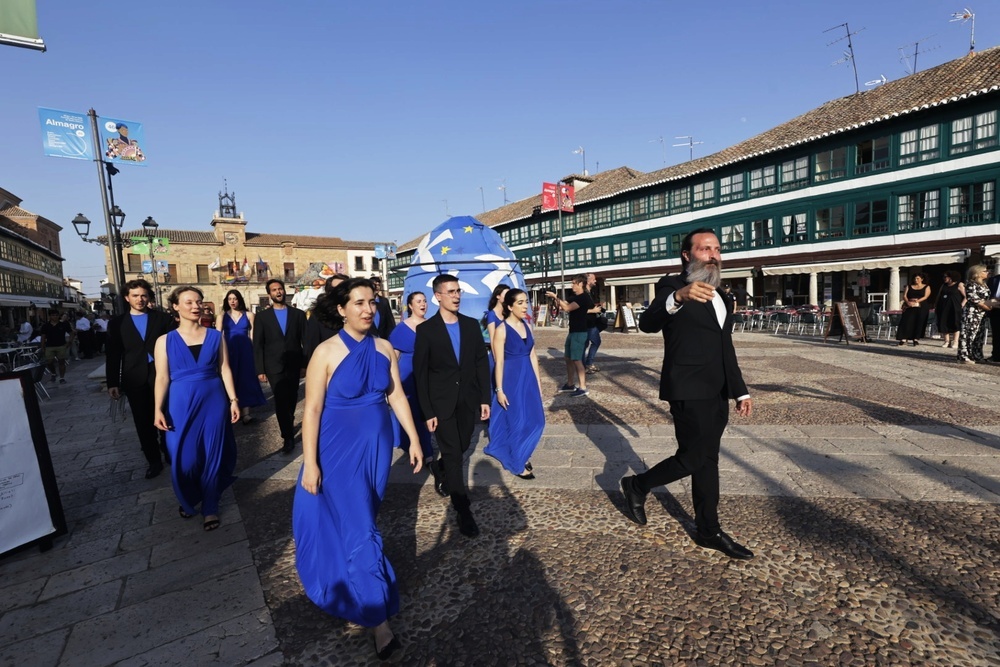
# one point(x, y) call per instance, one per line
point(844, 202)
point(31, 270)
point(229, 256)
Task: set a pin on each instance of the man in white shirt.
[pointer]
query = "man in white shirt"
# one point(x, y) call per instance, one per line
point(100, 327)
point(85, 337)
point(24, 332)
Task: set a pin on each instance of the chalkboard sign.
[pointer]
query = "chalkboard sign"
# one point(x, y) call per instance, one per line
point(625, 319)
point(30, 508)
point(543, 315)
point(845, 322)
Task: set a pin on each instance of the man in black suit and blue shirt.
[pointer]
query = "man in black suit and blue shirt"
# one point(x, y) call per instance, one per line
point(700, 375)
point(278, 336)
point(452, 375)
point(129, 368)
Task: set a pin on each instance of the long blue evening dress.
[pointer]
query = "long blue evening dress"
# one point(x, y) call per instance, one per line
point(403, 338)
point(338, 547)
point(240, 349)
point(491, 318)
point(515, 432)
point(201, 443)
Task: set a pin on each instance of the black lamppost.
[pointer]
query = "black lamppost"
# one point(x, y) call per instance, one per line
point(115, 243)
point(150, 226)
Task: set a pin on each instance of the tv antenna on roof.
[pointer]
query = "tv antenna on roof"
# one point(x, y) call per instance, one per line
point(503, 188)
point(876, 82)
point(663, 146)
point(691, 143)
point(582, 152)
point(905, 59)
point(849, 53)
point(962, 17)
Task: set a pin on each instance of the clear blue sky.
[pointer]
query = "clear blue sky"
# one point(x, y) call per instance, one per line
point(374, 121)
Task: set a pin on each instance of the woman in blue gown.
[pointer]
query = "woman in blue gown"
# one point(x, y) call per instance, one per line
point(236, 324)
point(517, 417)
point(491, 319)
point(347, 446)
point(196, 404)
point(402, 339)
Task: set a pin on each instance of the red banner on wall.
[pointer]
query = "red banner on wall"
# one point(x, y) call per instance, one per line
point(557, 195)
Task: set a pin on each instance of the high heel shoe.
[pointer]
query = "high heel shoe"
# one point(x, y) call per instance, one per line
point(527, 474)
point(527, 466)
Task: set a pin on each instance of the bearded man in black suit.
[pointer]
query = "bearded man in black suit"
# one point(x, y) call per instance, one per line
point(278, 338)
point(699, 377)
point(129, 368)
point(452, 375)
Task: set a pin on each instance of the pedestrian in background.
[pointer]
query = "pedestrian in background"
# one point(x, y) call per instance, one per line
point(594, 326)
point(576, 305)
point(236, 325)
point(977, 304)
point(917, 308)
point(948, 310)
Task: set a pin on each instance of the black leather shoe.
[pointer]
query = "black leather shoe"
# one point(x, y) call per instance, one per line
point(727, 545)
point(467, 524)
point(153, 471)
point(288, 446)
point(388, 649)
point(635, 501)
point(435, 468)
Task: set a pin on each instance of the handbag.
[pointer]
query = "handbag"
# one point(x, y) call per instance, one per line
point(602, 322)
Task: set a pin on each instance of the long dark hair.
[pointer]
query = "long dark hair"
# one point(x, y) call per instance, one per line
point(494, 300)
point(327, 304)
point(241, 304)
point(509, 300)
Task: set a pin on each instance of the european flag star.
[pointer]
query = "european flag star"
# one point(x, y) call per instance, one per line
point(468, 229)
point(445, 249)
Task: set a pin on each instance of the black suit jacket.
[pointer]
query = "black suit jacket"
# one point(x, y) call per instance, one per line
point(699, 359)
point(126, 363)
point(992, 283)
point(386, 319)
point(277, 354)
point(443, 382)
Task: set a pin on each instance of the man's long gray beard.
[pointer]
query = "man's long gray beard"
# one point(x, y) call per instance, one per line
point(705, 272)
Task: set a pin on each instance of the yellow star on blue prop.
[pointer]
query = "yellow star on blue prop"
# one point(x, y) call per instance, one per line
point(468, 230)
point(445, 249)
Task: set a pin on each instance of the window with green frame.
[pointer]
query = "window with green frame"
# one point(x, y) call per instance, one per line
point(795, 173)
point(919, 145)
point(731, 188)
point(762, 232)
point(639, 250)
point(620, 251)
point(601, 217)
point(871, 217)
point(649, 206)
point(602, 253)
point(974, 132)
point(763, 181)
point(680, 200)
point(584, 255)
point(830, 223)
point(621, 212)
point(658, 247)
point(830, 165)
point(733, 236)
point(584, 219)
point(872, 155)
point(972, 204)
point(918, 210)
point(794, 228)
point(704, 194)
point(675, 244)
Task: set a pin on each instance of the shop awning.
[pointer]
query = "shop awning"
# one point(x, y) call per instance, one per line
point(13, 301)
point(992, 250)
point(954, 257)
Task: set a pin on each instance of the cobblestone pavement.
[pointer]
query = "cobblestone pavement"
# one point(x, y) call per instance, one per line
point(867, 481)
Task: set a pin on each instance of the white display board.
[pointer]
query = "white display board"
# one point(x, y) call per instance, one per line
point(29, 503)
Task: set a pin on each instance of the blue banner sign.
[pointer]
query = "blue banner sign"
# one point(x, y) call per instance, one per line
point(66, 134)
point(122, 141)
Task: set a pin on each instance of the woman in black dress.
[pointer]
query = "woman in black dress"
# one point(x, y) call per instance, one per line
point(917, 310)
point(948, 311)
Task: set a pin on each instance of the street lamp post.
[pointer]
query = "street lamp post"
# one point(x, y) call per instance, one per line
point(150, 226)
point(115, 218)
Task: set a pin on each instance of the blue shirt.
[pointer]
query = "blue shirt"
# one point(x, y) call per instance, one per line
point(456, 336)
point(282, 315)
point(140, 322)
